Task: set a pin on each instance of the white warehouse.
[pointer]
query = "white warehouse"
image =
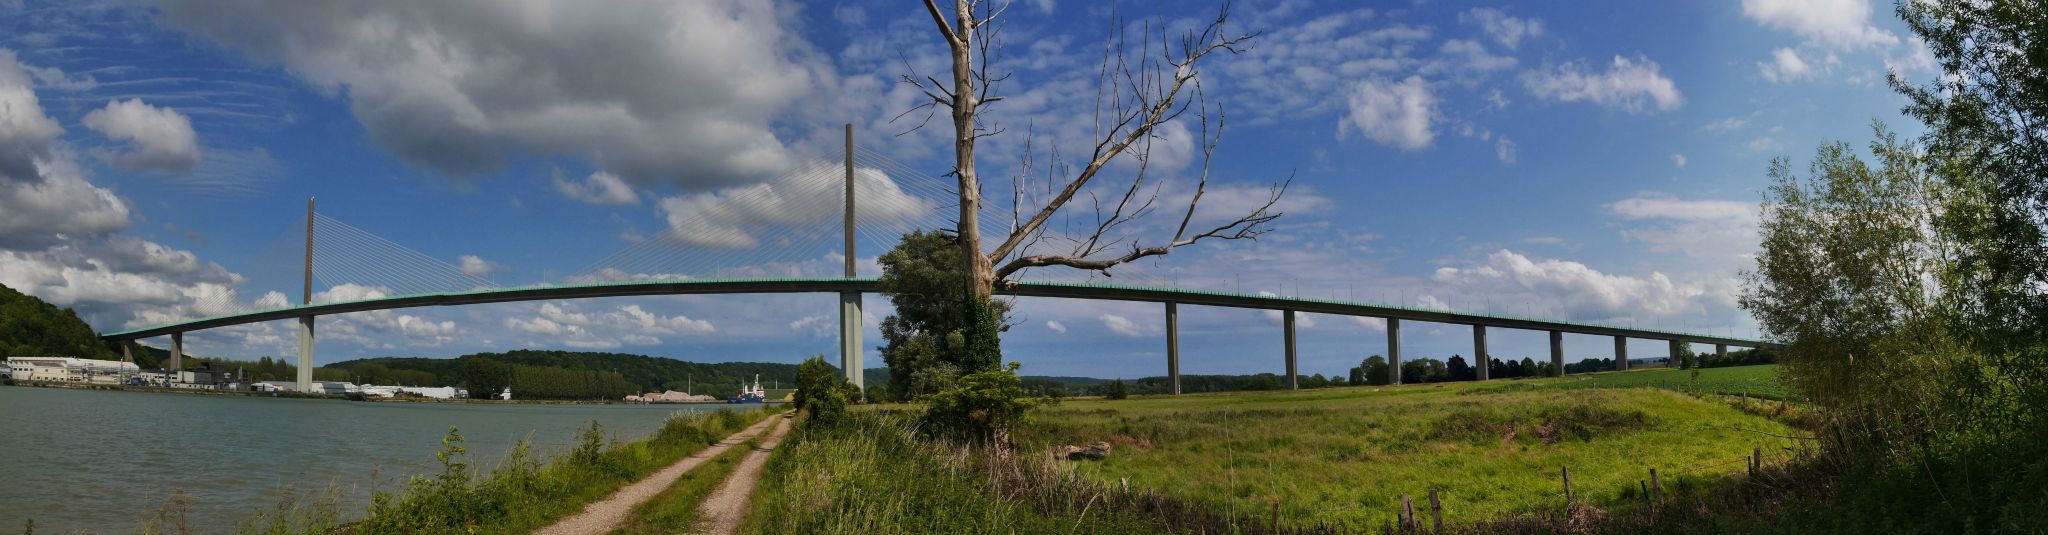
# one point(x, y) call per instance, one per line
point(70, 370)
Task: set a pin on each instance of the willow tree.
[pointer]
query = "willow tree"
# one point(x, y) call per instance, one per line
point(1136, 93)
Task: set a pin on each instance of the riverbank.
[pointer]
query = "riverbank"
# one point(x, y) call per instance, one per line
point(106, 462)
point(409, 399)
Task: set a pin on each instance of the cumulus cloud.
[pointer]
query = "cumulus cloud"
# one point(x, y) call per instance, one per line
point(1370, 323)
point(1835, 23)
point(676, 91)
point(1504, 150)
point(161, 138)
point(732, 218)
point(598, 188)
point(1631, 85)
point(1504, 29)
point(475, 266)
point(1678, 159)
point(1785, 66)
point(568, 324)
point(818, 325)
point(1396, 114)
point(1056, 326)
point(1581, 292)
point(26, 133)
point(1121, 325)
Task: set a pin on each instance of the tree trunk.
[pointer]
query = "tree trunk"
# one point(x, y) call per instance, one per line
point(980, 279)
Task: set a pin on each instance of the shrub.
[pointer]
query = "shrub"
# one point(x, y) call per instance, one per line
point(981, 408)
point(821, 391)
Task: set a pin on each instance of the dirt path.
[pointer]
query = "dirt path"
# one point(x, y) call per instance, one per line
point(727, 506)
point(605, 516)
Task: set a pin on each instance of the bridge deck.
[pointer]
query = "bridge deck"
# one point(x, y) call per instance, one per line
point(838, 285)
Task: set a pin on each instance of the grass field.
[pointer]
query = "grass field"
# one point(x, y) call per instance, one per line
point(1754, 381)
point(1343, 457)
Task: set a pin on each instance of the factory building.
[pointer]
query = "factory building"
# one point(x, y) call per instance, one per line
point(69, 370)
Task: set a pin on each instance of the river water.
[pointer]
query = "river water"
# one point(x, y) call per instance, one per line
point(107, 461)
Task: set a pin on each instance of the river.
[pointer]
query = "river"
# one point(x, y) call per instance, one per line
point(107, 461)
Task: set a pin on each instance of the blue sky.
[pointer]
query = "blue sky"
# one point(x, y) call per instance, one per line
point(1587, 161)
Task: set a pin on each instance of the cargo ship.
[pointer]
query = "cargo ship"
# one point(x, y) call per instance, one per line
point(751, 395)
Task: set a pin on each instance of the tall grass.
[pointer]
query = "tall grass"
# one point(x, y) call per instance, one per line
point(876, 474)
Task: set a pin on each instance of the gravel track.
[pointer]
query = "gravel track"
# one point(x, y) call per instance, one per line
point(727, 506)
point(606, 515)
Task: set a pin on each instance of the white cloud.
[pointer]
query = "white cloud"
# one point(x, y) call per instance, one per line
point(1785, 66)
point(731, 218)
point(476, 266)
point(1464, 56)
point(1504, 150)
point(1506, 30)
point(1631, 85)
point(26, 133)
point(676, 91)
point(1678, 159)
point(1581, 292)
point(1841, 24)
point(1056, 326)
point(1721, 231)
point(1370, 323)
point(818, 325)
point(1121, 325)
point(162, 138)
point(598, 188)
point(1395, 114)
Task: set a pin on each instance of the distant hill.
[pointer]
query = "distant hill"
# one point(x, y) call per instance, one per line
point(649, 373)
point(30, 327)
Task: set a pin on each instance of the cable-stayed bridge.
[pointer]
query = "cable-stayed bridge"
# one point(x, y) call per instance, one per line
point(797, 232)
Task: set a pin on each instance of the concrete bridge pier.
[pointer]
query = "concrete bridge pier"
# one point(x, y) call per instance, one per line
point(1557, 353)
point(1482, 362)
point(1620, 353)
point(305, 375)
point(1293, 375)
point(1393, 351)
point(177, 354)
point(850, 354)
point(1675, 346)
point(1721, 351)
point(1172, 348)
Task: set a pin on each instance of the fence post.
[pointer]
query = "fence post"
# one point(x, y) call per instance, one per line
point(1656, 491)
point(1436, 510)
point(1567, 486)
point(1276, 516)
point(1407, 513)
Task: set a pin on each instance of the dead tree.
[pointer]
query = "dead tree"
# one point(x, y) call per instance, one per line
point(1133, 98)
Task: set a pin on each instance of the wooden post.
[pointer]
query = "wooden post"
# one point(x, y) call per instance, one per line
point(1407, 513)
point(1276, 516)
point(1436, 510)
point(1567, 486)
point(1645, 487)
point(1656, 490)
point(1756, 461)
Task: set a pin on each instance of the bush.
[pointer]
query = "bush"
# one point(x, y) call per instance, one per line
point(981, 408)
point(1116, 390)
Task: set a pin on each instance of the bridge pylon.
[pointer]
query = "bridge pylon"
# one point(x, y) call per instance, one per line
point(849, 302)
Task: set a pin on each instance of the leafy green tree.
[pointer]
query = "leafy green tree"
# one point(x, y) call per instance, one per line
point(821, 391)
point(1458, 370)
point(939, 331)
point(1372, 371)
point(485, 377)
point(1116, 389)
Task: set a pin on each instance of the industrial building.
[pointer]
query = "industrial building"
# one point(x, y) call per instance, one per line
point(69, 370)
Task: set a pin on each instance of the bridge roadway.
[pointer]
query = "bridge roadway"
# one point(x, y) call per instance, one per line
point(1170, 297)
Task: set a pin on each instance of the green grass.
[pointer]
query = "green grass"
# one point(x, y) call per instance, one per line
point(1343, 457)
point(677, 509)
point(1754, 381)
point(873, 475)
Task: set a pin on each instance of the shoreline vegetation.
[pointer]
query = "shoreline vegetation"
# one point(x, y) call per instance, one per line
point(521, 493)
